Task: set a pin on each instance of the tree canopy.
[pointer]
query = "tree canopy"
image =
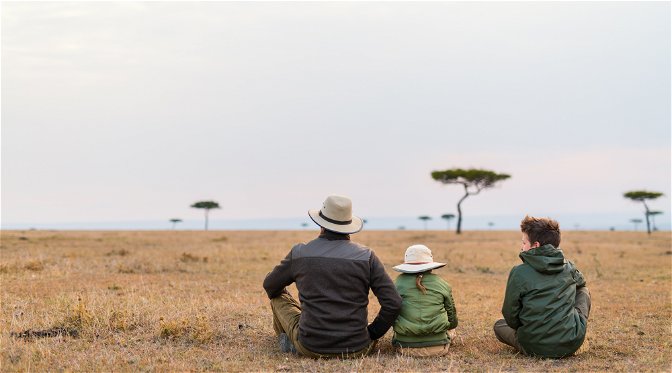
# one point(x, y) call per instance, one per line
point(642, 196)
point(473, 180)
point(424, 219)
point(175, 221)
point(477, 178)
point(207, 206)
point(448, 218)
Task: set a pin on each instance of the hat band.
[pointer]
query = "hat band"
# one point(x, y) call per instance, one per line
point(418, 262)
point(334, 221)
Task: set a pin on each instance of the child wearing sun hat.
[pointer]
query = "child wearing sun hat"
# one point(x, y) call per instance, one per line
point(428, 310)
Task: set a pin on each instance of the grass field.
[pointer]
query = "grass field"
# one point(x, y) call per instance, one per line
point(181, 300)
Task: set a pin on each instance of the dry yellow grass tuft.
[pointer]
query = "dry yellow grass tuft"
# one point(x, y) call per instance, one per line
point(194, 329)
point(177, 301)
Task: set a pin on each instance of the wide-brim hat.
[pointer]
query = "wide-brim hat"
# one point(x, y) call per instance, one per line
point(418, 258)
point(336, 215)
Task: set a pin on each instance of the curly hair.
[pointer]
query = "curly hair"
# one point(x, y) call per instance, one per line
point(542, 230)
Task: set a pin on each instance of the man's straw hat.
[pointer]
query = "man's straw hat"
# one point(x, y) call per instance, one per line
point(336, 215)
point(418, 259)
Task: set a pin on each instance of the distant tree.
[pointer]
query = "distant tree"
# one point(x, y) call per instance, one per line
point(207, 206)
point(491, 224)
point(642, 196)
point(364, 221)
point(473, 181)
point(401, 228)
point(653, 214)
point(424, 219)
point(448, 218)
point(635, 222)
point(304, 224)
point(175, 221)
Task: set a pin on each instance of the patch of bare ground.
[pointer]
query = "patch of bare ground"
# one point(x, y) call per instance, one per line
point(193, 301)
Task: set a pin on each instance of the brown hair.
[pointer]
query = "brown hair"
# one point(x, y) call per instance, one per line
point(542, 230)
point(418, 283)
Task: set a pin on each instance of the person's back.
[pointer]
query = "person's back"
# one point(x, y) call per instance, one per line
point(546, 305)
point(333, 276)
point(427, 311)
point(541, 298)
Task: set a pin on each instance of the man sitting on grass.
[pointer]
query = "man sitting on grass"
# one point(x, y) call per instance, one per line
point(547, 303)
point(333, 276)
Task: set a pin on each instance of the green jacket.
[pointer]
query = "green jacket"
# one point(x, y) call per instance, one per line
point(424, 318)
point(539, 303)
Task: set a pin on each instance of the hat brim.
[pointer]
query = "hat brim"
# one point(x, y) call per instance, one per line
point(354, 227)
point(417, 268)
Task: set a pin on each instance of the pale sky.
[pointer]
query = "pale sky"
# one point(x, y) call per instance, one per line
point(127, 111)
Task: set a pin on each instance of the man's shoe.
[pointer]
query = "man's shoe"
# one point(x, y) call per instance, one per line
point(286, 344)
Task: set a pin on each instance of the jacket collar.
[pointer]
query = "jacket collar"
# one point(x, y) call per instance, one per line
point(333, 236)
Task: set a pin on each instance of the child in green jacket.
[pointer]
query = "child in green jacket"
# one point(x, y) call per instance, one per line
point(546, 304)
point(427, 310)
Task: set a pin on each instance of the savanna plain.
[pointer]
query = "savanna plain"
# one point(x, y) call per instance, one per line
point(193, 301)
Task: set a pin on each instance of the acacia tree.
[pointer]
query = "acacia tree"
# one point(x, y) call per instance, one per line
point(424, 219)
point(175, 221)
point(473, 180)
point(635, 222)
point(653, 214)
point(207, 206)
point(642, 196)
point(448, 218)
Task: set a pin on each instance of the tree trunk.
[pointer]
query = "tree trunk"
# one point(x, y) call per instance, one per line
point(206, 219)
point(648, 225)
point(459, 210)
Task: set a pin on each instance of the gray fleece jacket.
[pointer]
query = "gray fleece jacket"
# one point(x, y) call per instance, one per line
point(333, 276)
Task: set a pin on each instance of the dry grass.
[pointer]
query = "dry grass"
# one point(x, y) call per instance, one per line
point(176, 301)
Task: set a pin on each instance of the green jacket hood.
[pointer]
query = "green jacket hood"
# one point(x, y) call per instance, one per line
point(544, 259)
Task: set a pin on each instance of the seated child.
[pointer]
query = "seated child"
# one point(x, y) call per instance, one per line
point(547, 303)
point(427, 310)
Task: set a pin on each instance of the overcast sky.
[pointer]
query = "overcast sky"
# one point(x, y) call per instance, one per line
point(129, 111)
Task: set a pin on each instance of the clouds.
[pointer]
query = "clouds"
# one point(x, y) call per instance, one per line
point(133, 110)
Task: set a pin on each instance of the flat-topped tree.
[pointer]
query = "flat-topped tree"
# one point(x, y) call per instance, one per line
point(642, 196)
point(448, 218)
point(424, 219)
point(207, 206)
point(635, 222)
point(653, 214)
point(175, 221)
point(473, 180)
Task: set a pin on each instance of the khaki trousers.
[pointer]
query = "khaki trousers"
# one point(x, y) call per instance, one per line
point(431, 351)
point(508, 335)
point(286, 315)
